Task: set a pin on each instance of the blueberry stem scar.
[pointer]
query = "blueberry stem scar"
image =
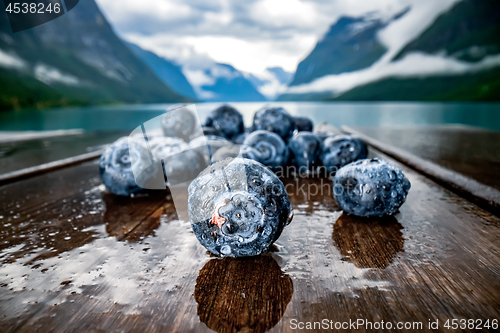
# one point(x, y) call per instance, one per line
point(216, 218)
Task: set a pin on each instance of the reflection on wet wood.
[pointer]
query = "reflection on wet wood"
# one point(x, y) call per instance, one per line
point(242, 295)
point(128, 264)
point(368, 242)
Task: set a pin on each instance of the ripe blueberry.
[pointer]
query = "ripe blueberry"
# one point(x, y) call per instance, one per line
point(275, 120)
point(117, 162)
point(306, 149)
point(267, 148)
point(304, 124)
point(370, 187)
point(178, 121)
point(238, 207)
point(341, 150)
point(227, 120)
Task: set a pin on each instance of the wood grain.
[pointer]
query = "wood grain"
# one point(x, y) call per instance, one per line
point(142, 269)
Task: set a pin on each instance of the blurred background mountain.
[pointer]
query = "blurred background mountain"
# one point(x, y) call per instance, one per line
point(78, 59)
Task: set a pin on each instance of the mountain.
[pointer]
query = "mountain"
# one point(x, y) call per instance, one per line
point(351, 44)
point(271, 82)
point(480, 86)
point(469, 32)
point(166, 70)
point(281, 75)
point(222, 83)
point(76, 59)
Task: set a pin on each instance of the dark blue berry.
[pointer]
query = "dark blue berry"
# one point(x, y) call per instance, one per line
point(206, 130)
point(238, 207)
point(323, 135)
point(238, 139)
point(180, 163)
point(370, 188)
point(306, 149)
point(118, 163)
point(183, 167)
point(304, 124)
point(267, 148)
point(275, 120)
point(207, 146)
point(341, 150)
point(164, 147)
point(179, 121)
point(227, 120)
point(230, 151)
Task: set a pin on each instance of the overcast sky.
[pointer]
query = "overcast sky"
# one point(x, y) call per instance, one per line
point(251, 35)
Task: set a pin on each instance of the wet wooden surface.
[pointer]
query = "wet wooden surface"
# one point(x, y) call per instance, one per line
point(471, 151)
point(76, 258)
point(18, 155)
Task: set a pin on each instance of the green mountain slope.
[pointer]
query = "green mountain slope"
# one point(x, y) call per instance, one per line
point(75, 59)
point(482, 86)
point(469, 31)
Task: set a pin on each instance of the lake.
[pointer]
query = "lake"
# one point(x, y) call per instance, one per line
point(110, 118)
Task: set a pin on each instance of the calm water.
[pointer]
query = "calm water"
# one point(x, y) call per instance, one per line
point(336, 114)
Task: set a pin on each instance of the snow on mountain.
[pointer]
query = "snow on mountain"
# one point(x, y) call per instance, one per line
point(215, 82)
point(392, 37)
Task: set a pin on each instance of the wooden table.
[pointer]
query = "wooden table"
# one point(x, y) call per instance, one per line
point(76, 258)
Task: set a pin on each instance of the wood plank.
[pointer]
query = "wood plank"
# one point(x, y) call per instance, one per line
point(17, 155)
point(18, 136)
point(66, 214)
point(438, 258)
point(461, 158)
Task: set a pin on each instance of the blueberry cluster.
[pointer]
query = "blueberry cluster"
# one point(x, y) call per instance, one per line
point(236, 203)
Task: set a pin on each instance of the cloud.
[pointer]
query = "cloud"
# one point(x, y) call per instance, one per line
point(251, 35)
point(50, 75)
point(10, 60)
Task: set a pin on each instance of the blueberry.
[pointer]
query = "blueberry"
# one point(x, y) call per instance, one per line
point(238, 207)
point(370, 188)
point(208, 145)
point(275, 120)
point(238, 139)
point(267, 148)
point(180, 163)
point(183, 167)
point(206, 130)
point(306, 149)
point(227, 120)
point(179, 121)
point(117, 162)
point(304, 124)
point(164, 147)
point(323, 135)
point(230, 151)
point(341, 150)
